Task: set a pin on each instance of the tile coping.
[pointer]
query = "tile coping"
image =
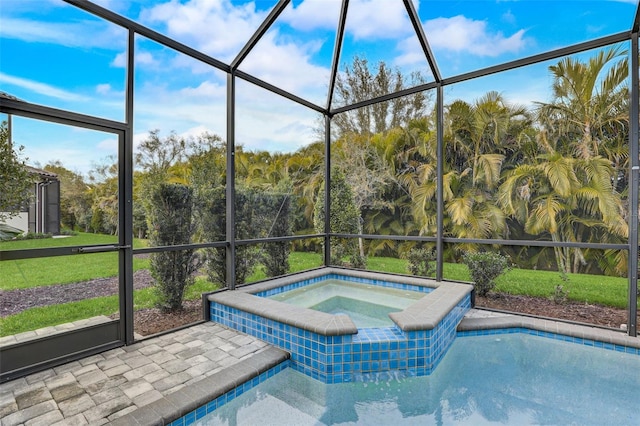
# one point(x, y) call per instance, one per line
point(424, 314)
point(585, 332)
point(177, 404)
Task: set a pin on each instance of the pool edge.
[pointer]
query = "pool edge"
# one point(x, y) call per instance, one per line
point(178, 404)
point(584, 332)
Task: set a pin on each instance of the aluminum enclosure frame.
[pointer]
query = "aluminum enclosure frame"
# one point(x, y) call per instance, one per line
point(125, 137)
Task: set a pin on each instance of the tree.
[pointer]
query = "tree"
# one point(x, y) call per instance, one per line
point(366, 174)
point(344, 219)
point(157, 155)
point(568, 188)
point(481, 140)
point(104, 196)
point(589, 112)
point(273, 217)
point(170, 224)
point(15, 180)
point(358, 84)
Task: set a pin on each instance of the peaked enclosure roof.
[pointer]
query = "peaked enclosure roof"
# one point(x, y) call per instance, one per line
point(299, 47)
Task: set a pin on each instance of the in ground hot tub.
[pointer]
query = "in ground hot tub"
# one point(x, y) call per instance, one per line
point(331, 347)
point(367, 305)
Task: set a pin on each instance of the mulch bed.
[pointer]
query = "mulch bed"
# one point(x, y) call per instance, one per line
point(543, 307)
point(15, 301)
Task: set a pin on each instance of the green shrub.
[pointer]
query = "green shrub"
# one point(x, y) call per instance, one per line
point(484, 268)
point(420, 262)
point(272, 219)
point(170, 224)
point(344, 218)
point(257, 215)
point(560, 295)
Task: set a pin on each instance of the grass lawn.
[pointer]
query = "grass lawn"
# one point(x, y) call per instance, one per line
point(596, 289)
point(26, 273)
point(609, 291)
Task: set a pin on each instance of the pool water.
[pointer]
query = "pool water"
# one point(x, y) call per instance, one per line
point(367, 305)
point(509, 379)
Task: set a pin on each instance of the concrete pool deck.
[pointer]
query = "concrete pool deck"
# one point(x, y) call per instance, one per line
point(160, 379)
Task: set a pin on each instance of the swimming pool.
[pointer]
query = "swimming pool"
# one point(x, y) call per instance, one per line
point(511, 379)
point(367, 305)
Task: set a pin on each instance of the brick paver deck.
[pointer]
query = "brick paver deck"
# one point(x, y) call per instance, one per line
point(104, 387)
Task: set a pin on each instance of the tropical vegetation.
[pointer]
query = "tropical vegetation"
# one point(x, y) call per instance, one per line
point(556, 171)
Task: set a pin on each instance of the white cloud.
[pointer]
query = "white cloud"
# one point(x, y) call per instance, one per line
point(266, 121)
point(144, 58)
point(365, 18)
point(103, 89)
point(377, 19)
point(177, 109)
point(109, 145)
point(141, 57)
point(311, 15)
point(221, 29)
point(215, 27)
point(287, 65)
point(196, 131)
point(69, 34)
point(206, 90)
point(461, 34)
point(508, 17)
point(120, 61)
point(41, 88)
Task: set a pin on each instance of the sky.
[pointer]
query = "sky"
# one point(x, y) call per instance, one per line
point(56, 55)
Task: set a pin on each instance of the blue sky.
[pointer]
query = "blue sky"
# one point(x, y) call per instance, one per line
point(56, 55)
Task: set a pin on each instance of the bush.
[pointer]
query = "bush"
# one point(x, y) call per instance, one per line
point(273, 220)
point(421, 262)
point(344, 218)
point(257, 215)
point(485, 267)
point(170, 224)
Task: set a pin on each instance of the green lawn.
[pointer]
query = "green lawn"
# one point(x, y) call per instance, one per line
point(598, 289)
point(26, 273)
point(610, 291)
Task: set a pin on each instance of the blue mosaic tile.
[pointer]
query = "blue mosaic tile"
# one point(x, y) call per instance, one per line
point(329, 357)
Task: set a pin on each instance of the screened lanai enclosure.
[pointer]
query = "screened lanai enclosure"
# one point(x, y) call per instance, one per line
point(207, 144)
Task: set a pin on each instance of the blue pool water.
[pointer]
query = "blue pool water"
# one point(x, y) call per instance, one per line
point(508, 379)
point(367, 305)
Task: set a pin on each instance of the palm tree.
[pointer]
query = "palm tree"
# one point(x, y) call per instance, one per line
point(590, 108)
point(568, 189)
point(481, 140)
